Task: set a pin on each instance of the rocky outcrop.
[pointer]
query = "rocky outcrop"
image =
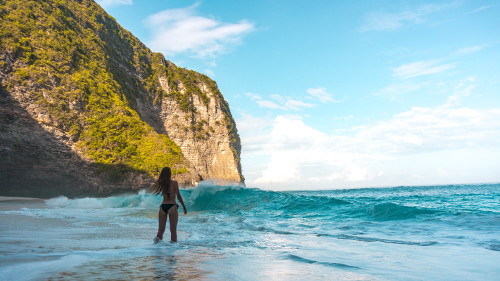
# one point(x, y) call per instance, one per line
point(87, 109)
point(206, 134)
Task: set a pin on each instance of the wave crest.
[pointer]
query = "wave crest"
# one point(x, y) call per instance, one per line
point(391, 211)
point(234, 198)
point(238, 198)
point(141, 199)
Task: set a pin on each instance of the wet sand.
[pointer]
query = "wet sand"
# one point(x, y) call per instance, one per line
point(8, 198)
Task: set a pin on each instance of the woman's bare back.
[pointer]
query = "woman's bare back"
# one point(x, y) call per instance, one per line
point(172, 191)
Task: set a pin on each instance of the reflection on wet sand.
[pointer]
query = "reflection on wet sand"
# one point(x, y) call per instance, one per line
point(169, 262)
point(163, 262)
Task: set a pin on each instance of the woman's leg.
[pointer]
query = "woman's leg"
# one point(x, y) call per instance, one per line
point(162, 221)
point(174, 218)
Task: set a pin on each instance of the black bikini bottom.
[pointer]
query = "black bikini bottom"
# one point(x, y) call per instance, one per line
point(166, 207)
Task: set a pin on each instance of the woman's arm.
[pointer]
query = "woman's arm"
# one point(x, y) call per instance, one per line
point(180, 197)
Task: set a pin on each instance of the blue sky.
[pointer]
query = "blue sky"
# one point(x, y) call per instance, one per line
point(342, 94)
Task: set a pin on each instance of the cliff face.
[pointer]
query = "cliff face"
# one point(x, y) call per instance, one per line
point(206, 132)
point(87, 109)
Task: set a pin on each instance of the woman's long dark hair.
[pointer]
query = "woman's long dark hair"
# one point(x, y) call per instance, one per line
point(163, 182)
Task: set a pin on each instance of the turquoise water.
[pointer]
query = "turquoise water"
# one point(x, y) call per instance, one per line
point(236, 233)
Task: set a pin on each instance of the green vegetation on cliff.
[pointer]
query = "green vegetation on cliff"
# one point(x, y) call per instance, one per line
point(74, 61)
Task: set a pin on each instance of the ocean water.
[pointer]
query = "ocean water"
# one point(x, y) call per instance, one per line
point(237, 233)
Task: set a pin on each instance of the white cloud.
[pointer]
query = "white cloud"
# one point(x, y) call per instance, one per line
point(352, 173)
point(295, 148)
point(269, 104)
point(262, 103)
point(389, 22)
point(418, 138)
point(279, 102)
point(209, 73)
point(256, 131)
point(483, 8)
point(420, 68)
point(470, 50)
point(113, 3)
point(343, 117)
point(395, 90)
point(393, 21)
point(278, 98)
point(297, 105)
point(463, 89)
point(181, 30)
point(423, 130)
point(253, 96)
point(321, 94)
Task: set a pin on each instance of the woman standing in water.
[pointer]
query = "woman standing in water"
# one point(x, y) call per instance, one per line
point(169, 189)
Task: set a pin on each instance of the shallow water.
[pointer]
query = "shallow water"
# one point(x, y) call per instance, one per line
point(235, 233)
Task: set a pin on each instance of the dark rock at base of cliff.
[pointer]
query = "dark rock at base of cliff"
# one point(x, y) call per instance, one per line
point(34, 163)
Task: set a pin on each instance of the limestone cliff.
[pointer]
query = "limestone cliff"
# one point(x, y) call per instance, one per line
point(87, 109)
point(209, 139)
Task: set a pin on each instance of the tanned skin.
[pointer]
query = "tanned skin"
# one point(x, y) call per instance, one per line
point(172, 214)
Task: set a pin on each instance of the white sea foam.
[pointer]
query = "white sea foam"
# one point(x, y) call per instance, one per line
point(141, 199)
point(42, 269)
